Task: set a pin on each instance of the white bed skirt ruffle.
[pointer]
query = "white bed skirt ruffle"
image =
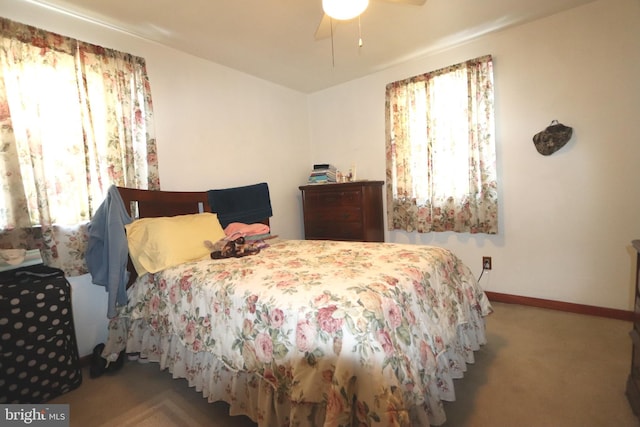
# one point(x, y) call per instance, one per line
point(256, 398)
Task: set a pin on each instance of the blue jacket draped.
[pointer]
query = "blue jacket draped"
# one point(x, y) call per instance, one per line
point(107, 251)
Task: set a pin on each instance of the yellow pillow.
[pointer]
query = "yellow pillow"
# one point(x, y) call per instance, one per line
point(158, 243)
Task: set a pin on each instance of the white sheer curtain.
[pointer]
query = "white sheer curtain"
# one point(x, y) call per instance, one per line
point(75, 119)
point(440, 148)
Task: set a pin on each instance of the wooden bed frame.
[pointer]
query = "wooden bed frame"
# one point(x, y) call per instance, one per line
point(163, 203)
point(151, 203)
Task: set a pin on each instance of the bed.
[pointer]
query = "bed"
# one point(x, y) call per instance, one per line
point(307, 333)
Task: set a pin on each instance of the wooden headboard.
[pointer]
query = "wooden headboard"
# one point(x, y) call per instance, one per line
point(155, 203)
point(164, 203)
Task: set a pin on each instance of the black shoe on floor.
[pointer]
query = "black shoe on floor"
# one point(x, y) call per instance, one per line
point(98, 363)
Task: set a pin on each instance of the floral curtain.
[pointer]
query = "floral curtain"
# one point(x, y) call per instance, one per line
point(440, 151)
point(75, 119)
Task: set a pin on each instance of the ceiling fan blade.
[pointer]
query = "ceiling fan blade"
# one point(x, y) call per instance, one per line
point(324, 28)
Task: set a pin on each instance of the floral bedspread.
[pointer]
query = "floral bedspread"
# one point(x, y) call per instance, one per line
point(314, 332)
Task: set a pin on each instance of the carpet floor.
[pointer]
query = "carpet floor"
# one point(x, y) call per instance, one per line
point(540, 368)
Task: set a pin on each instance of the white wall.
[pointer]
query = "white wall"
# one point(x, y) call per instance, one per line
point(89, 304)
point(215, 128)
point(567, 220)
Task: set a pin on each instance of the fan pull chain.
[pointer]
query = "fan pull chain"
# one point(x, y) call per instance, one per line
point(333, 55)
point(360, 43)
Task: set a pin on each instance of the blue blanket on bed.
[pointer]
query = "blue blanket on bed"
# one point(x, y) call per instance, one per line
point(247, 204)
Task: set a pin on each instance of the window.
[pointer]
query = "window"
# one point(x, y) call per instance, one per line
point(440, 151)
point(75, 119)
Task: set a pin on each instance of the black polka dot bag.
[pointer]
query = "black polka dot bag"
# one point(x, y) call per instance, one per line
point(38, 350)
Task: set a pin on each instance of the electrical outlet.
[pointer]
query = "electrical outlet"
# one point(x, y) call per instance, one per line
point(486, 263)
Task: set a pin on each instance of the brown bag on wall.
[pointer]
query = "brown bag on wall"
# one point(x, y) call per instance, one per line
point(553, 138)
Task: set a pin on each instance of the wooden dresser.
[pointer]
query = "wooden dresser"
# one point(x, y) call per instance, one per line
point(633, 382)
point(343, 211)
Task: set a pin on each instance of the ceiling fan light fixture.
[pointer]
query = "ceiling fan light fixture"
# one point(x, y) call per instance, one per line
point(344, 9)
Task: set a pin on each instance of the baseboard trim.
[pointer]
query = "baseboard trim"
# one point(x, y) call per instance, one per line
point(561, 306)
point(85, 361)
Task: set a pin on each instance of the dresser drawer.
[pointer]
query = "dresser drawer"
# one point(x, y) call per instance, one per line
point(334, 199)
point(633, 380)
point(336, 231)
point(339, 214)
point(635, 358)
point(636, 315)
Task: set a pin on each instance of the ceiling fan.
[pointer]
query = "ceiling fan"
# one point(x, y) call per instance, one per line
point(333, 14)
